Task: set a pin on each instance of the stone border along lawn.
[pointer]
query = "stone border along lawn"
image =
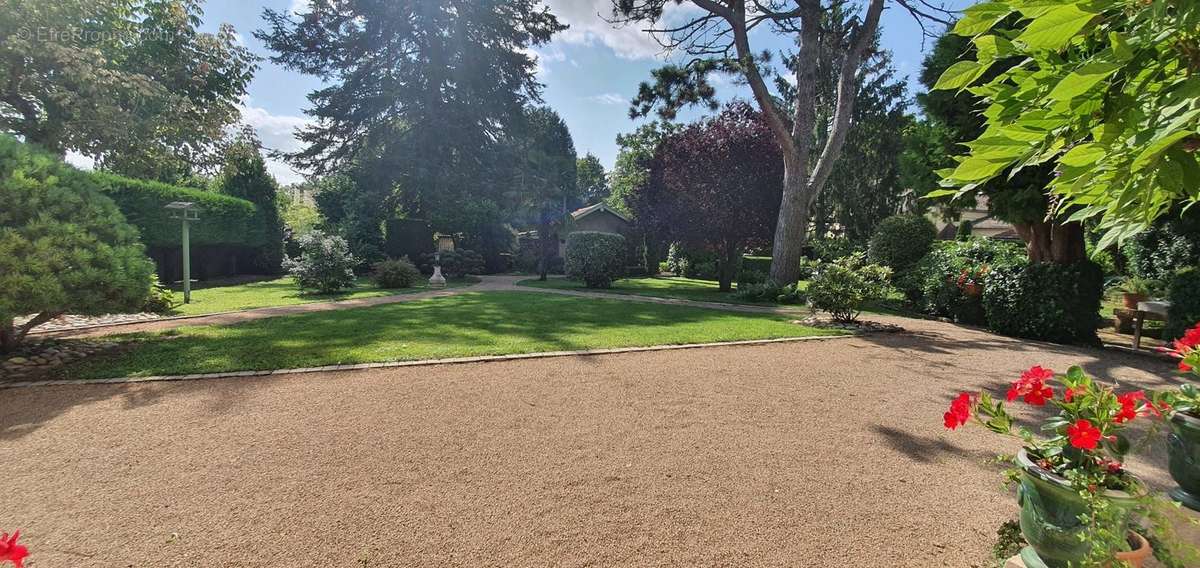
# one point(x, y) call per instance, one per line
point(463, 325)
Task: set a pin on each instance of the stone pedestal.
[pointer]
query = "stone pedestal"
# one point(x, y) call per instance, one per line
point(437, 280)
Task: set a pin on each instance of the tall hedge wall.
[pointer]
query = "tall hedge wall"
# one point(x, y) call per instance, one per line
point(223, 220)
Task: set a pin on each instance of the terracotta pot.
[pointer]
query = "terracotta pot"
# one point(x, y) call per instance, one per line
point(1050, 511)
point(1131, 300)
point(1141, 551)
point(1183, 452)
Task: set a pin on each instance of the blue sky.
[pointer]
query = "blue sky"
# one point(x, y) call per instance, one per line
point(590, 71)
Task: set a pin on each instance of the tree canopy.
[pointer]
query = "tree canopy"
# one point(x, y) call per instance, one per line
point(1103, 93)
point(593, 182)
point(245, 176)
point(132, 84)
point(717, 37)
point(715, 185)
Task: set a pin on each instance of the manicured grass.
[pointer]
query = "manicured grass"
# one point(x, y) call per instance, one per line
point(656, 286)
point(278, 292)
point(469, 324)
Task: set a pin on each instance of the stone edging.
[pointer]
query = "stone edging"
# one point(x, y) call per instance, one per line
point(419, 363)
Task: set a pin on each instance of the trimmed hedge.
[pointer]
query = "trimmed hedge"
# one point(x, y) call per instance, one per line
point(932, 285)
point(1046, 301)
point(901, 241)
point(595, 257)
point(224, 220)
point(1184, 293)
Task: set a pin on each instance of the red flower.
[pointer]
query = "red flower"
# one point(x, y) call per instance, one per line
point(1185, 346)
point(1070, 394)
point(1129, 406)
point(1032, 386)
point(11, 551)
point(960, 412)
point(1083, 435)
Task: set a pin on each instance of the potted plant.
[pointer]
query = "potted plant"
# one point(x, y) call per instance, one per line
point(1134, 290)
point(970, 280)
point(1077, 499)
point(1183, 443)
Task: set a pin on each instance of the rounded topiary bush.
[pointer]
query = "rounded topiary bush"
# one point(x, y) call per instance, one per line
point(1047, 301)
point(395, 273)
point(64, 246)
point(901, 241)
point(595, 258)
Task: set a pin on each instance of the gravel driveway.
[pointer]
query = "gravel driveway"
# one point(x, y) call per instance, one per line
point(813, 454)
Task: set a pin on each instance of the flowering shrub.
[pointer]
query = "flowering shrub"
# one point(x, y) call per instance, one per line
point(325, 263)
point(11, 551)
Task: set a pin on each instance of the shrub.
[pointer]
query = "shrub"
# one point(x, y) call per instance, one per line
point(1183, 292)
point(594, 257)
point(750, 278)
point(901, 241)
point(809, 267)
point(842, 287)
point(769, 291)
point(161, 299)
point(829, 249)
point(757, 263)
point(393, 273)
point(1046, 301)
point(64, 246)
point(325, 263)
point(1158, 252)
point(963, 232)
point(932, 285)
point(458, 263)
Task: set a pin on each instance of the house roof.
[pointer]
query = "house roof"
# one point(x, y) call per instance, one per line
point(585, 211)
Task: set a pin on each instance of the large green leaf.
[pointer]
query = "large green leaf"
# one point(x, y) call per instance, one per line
point(1082, 155)
point(960, 75)
point(980, 18)
point(1083, 80)
point(1054, 29)
point(975, 168)
point(1156, 148)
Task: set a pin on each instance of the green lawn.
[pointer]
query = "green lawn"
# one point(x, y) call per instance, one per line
point(656, 286)
point(473, 323)
point(278, 292)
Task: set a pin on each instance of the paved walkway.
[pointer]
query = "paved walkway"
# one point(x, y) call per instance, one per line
point(811, 454)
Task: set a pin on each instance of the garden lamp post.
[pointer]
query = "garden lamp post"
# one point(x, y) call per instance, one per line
point(185, 211)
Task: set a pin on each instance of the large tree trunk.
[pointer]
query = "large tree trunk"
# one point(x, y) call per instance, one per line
point(1060, 243)
point(791, 232)
point(11, 336)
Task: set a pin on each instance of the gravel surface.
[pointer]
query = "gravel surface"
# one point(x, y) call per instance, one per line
point(816, 454)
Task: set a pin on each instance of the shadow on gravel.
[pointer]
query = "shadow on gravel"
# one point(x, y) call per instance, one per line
point(924, 449)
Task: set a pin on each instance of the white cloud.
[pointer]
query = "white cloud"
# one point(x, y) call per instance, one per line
point(587, 19)
point(298, 7)
point(608, 99)
point(277, 132)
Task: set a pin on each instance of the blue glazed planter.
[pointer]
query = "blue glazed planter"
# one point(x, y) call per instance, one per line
point(1050, 511)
